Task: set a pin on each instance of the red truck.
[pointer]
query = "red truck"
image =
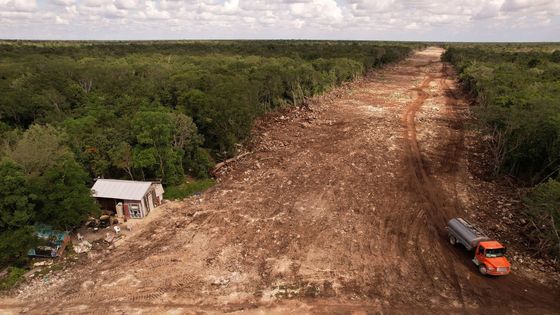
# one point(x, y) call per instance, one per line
point(489, 255)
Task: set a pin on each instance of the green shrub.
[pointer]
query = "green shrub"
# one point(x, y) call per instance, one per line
point(187, 188)
point(519, 97)
point(543, 208)
point(199, 163)
point(13, 278)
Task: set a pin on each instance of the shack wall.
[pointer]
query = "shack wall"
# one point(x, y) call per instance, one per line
point(131, 204)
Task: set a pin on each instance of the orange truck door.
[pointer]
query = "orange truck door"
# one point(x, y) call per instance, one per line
point(479, 254)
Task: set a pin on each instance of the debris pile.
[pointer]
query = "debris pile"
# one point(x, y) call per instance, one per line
point(82, 247)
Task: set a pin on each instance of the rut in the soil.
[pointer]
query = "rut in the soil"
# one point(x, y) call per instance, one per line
point(422, 183)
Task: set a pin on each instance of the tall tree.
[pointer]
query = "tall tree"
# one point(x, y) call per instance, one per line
point(122, 157)
point(155, 131)
point(38, 149)
point(63, 197)
point(16, 236)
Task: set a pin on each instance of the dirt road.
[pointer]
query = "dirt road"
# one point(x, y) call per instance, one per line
point(341, 208)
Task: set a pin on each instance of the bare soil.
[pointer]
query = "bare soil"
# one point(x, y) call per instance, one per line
point(340, 208)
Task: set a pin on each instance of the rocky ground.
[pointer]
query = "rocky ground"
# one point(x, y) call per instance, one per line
point(336, 207)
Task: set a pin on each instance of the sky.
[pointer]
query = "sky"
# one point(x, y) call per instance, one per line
point(413, 20)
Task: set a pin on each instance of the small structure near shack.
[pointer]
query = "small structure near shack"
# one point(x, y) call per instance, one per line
point(55, 242)
point(127, 198)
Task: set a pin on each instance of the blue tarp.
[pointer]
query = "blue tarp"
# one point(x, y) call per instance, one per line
point(54, 238)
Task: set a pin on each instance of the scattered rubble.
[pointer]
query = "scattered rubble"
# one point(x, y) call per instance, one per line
point(82, 247)
point(43, 263)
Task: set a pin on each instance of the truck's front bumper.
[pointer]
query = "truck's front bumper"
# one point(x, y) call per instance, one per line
point(499, 272)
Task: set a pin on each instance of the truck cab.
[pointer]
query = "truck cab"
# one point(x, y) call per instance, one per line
point(490, 258)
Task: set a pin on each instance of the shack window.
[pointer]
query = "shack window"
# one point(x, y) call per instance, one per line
point(135, 210)
point(481, 250)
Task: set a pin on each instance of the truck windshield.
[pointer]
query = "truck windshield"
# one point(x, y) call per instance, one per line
point(495, 252)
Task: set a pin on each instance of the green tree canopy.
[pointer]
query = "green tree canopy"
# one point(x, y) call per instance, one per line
point(161, 137)
point(16, 236)
point(63, 197)
point(38, 149)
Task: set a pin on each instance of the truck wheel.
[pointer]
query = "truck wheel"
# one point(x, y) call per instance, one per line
point(452, 240)
point(482, 269)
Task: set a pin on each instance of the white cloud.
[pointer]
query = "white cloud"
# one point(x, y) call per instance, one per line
point(231, 5)
point(152, 12)
point(319, 11)
point(487, 10)
point(126, 4)
point(340, 19)
point(95, 3)
point(18, 5)
point(365, 6)
point(14, 15)
point(516, 5)
point(59, 20)
point(63, 2)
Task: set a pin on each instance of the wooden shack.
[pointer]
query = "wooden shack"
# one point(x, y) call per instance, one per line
point(127, 198)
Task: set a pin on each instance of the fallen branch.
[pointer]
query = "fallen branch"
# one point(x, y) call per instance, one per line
point(221, 165)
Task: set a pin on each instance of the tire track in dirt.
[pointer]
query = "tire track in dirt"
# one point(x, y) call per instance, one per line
point(418, 173)
point(415, 165)
point(422, 181)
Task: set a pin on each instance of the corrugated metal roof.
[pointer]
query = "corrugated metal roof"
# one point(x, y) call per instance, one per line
point(120, 189)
